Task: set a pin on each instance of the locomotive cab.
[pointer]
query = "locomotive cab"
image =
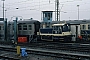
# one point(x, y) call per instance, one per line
point(60, 28)
point(61, 32)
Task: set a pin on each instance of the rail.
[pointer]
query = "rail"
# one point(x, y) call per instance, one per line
point(52, 53)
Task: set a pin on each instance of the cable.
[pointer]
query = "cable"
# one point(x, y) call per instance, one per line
point(16, 2)
point(70, 1)
point(61, 7)
point(79, 10)
point(26, 9)
point(36, 9)
point(34, 2)
point(30, 6)
point(45, 1)
point(26, 3)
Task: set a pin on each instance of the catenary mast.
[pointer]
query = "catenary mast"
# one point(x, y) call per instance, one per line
point(57, 11)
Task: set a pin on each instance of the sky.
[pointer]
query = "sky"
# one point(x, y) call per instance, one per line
point(32, 9)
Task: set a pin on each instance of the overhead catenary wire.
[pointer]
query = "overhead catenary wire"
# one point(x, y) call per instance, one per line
point(25, 2)
point(10, 4)
point(35, 2)
point(22, 2)
point(70, 1)
point(35, 7)
point(30, 6)
point(24, 8)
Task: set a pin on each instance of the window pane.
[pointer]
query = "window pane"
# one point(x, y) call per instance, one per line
point(45, 14)
point(20, 27)
point(24, 27)
point(51, 15)
point(48, 16)
point(88, 26)
point(13, 27)
point(84, 27)
point(29, 27)
point(0, 27)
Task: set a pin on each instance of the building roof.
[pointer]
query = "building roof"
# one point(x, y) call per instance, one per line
point(28, 21)
point(78, 21)
point(72, 22)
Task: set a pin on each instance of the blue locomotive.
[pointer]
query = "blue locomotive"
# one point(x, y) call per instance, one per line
point(58, 32)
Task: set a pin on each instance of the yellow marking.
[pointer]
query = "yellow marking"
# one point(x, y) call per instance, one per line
point(18, 50)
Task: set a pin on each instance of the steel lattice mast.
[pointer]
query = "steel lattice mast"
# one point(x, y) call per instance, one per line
point(57, 11)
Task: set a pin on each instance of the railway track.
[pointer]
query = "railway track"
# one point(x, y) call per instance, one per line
point(72, 47)
point(74, 50)
point(6, 53)
point(65, 55)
